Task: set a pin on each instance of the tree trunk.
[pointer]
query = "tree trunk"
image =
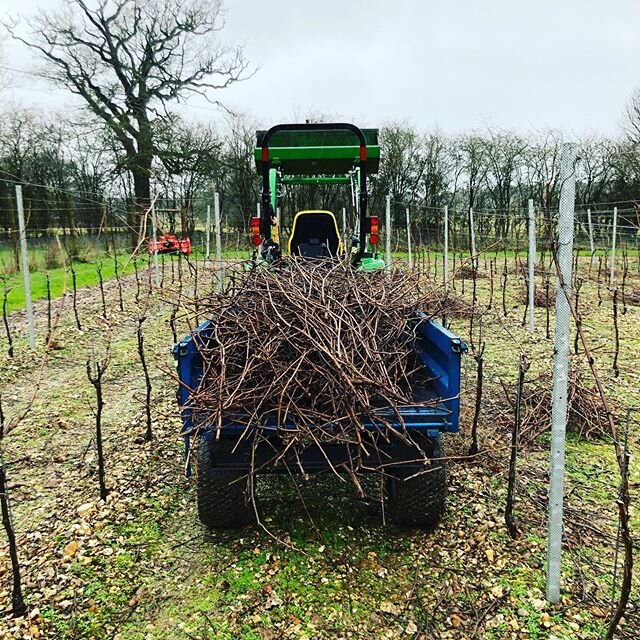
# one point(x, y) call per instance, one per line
point(71, 224)
point(184, 227)
point(141, 173)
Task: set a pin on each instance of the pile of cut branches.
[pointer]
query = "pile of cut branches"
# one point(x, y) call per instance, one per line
point(586, 415)
point(465, 272)
point(320, 348)
point(451, 305)
point(540, 296)
point(540, 269)
point(633, 296)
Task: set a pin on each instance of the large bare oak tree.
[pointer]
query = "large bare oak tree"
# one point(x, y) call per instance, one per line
point(128, 59)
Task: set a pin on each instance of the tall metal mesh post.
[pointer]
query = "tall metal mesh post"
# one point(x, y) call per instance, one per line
point(345, 240)
point(472, 239)
point(564, 257)
point(532, 264)
point(409, 239)
point(387, 232)
point(446, 246)
point(590, 223)
point(154, 224)
point(208, 234)
point(25, 268)
point(614, 233)
point(216, 215)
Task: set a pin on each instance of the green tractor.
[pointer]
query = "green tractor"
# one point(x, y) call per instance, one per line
point(298, 154)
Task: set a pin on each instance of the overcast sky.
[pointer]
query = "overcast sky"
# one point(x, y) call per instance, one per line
point(456, 65)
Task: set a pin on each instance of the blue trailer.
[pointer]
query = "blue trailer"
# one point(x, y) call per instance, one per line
point(319, 154)
point(226, 455)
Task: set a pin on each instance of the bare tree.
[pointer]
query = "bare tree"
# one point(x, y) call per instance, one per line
point(402, 170)
point(127, 59)
point(191, 156)
point(436, 178)
point(595, 169)
point(470, 155)
point(471, 150)
point(625, 181)
point(5, 79)
point(238, 181)
point(544, 169)
point(503, 152)
point(632, 118)
point(627, 159)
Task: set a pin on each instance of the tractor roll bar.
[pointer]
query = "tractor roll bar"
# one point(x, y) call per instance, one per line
point(267, 213)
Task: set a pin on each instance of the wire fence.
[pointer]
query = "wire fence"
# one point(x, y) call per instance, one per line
point(599, 231)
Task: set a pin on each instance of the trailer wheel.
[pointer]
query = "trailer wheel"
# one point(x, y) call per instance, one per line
point(419, 501)
point(222, 499)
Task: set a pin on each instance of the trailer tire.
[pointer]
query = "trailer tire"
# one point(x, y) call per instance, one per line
point(419, 501)
point(222, 495)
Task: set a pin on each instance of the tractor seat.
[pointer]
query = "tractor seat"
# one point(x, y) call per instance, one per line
point(315, 235)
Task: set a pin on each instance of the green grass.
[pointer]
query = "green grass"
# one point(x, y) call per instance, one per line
point(86, 276)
